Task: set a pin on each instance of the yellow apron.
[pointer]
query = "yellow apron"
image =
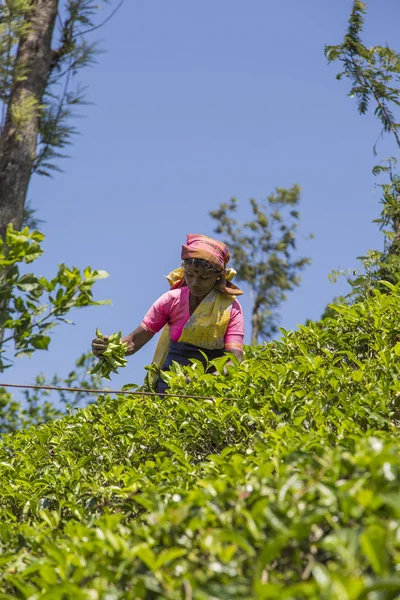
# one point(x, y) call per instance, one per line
point(206, 329)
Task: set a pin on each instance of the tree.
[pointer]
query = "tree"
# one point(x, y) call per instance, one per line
point(32, 307)
point(263, 252)
point(37, 64)
point(36, 304)
point(374, 74)
point(43, 45)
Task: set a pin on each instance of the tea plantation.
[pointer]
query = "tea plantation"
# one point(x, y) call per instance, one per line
point(285, 485)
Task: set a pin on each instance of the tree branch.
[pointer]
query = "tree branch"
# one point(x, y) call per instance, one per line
point(114, 12)
point(364, 81)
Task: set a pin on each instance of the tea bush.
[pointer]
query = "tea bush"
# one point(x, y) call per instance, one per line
point(284, 485)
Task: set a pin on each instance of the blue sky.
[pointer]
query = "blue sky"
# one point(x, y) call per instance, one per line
point(195, 102)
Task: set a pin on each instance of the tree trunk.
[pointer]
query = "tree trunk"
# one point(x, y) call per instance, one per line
point(19, 139)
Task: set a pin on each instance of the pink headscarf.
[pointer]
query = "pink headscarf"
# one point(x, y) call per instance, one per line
point(214, 252)
point(201, 246)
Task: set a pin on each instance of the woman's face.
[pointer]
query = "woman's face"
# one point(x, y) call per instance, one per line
point(199, 280)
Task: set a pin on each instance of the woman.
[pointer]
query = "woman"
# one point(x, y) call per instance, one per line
point(199, 314)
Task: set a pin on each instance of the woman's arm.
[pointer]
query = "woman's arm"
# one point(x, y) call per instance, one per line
point(237, 352)
point(137, 339)
point(134, 341)
point(235, 332)
point(153, 322)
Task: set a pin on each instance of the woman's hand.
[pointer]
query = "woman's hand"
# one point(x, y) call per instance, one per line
point(130, 346)
point(99, 345)
point(134, 341)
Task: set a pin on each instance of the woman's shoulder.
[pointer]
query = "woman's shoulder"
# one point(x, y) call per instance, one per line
point(178, 292)
point(237, 310)
point(236, 304)
point(174, 296)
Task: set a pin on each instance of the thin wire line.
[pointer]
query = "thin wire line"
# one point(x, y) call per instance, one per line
point(92, 391)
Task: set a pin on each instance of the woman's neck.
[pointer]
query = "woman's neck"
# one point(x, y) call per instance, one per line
point(194, 302)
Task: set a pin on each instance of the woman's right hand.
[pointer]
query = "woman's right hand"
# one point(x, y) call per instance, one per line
point(99, 345)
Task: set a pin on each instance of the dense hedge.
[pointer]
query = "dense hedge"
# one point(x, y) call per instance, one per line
point(289, 489)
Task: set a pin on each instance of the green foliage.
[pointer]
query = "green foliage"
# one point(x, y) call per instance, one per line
point(72, 52)
point(13, 25)
point(30, 305)
point(25, 317)
point(24, 111)
point(388, 265)
point(40, 406)
point(262, 251)
point(374, 72)
point(113, 356)
point(285, 485)
point(375, 77)
point(27, 322)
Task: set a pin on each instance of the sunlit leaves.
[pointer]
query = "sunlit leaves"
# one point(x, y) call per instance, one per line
point(374, 74)
point(33, 305)
point(284, 484)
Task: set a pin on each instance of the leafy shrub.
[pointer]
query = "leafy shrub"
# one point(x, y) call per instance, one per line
point(285, 484)
point(30, 307)
point(24, 320)
point(40, 405)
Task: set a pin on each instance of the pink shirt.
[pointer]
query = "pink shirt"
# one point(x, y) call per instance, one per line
point(173, 308)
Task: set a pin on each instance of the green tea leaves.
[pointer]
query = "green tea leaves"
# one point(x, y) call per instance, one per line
point(285, 484)
point(113, 356)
